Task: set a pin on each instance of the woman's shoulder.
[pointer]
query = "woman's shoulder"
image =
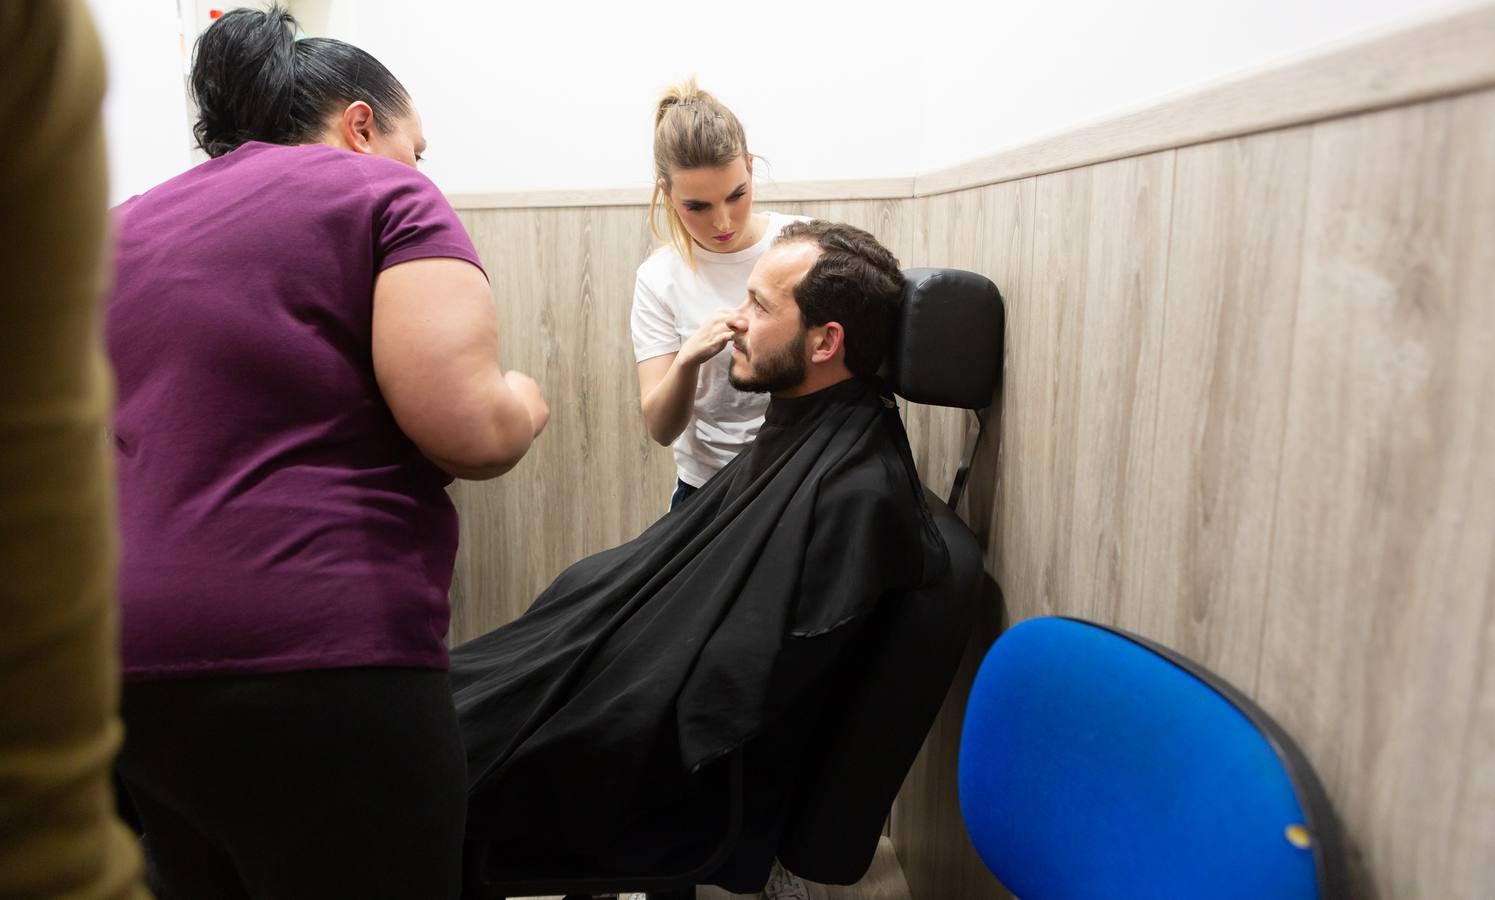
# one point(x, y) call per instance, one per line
point(662, 266)
point(384, 174)
point(298, 167)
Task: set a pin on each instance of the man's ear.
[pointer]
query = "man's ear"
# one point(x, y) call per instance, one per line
point(826, 342)
point(356, 127)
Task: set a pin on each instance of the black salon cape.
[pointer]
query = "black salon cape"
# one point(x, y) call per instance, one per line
point(590, 720)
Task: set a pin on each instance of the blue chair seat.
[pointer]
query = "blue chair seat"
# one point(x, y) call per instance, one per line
point(1095, 763)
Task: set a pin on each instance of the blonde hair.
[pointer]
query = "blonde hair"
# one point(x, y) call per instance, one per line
point(692, 130)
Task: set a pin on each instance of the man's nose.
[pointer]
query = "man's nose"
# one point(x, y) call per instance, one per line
point(737, 322)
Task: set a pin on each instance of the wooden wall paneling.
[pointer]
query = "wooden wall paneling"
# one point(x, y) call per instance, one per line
point(1467, 866)
point(1232, 291)
point(626, 479)
point(563, 284)
point(769, 191)
point(1120, 352)
point(568, 354)
point(546, 313)
point(890, 221)
point(765, 192)
point(1380, 595)
point(530, 201)
point(1100, 252)
point(937, 436)
point(987, 231)
point(489, 568)
point(1040, 420)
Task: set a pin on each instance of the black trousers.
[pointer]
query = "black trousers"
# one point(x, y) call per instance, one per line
point(337, 783)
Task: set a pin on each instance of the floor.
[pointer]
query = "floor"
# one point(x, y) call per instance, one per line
point(883, 881)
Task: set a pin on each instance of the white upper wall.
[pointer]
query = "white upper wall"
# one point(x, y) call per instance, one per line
point(145, 106)
point(560, 96)
point(1004, 74)
point(519, 96)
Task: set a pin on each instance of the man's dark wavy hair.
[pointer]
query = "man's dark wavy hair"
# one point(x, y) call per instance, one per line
point(855, 282)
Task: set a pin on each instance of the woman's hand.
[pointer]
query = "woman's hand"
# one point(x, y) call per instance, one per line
point(708, 340)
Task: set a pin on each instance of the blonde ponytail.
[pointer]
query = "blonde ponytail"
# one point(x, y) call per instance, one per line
point(692, 130)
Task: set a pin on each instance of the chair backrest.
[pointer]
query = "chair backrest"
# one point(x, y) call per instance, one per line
point(945, 346)
point(1095, 763)
point(887, 698)
point(946, 350)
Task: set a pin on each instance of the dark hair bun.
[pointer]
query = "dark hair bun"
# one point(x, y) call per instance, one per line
point(254, 81)
point(243, 79)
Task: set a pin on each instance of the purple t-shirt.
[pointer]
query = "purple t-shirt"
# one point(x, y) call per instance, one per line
point(274, 516)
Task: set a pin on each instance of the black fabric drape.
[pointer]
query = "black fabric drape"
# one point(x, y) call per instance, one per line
point(591, 720)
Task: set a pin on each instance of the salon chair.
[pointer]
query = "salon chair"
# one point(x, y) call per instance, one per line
point(817, 793)
point(1096, 763)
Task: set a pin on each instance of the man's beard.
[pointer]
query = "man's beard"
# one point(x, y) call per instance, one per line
point(774, 371)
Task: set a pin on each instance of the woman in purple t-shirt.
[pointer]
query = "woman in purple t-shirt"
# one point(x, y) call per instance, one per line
point(306, 353)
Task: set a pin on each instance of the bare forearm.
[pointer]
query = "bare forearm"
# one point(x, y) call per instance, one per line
point(507, 438)
point(511, 415)
point(668, 406)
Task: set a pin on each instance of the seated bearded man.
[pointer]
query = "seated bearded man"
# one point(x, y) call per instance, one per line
point(595, 723)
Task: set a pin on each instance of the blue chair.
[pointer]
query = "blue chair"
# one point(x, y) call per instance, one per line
point(1097, 764)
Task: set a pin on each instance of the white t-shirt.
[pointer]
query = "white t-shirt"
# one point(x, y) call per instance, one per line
point(670, 303)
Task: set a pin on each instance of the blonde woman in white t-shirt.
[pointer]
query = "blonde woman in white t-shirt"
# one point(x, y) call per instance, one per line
point(687, 290)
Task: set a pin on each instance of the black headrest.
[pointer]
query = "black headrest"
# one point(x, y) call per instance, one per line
point(946, 346)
